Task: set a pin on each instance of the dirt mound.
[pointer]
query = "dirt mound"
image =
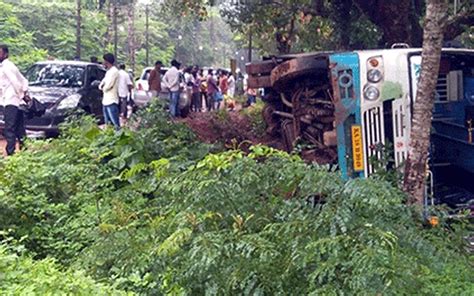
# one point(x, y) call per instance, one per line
point(238, 129)
point(229, 128)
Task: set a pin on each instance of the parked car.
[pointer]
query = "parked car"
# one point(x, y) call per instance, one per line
point(142, 95)
point(63, 86)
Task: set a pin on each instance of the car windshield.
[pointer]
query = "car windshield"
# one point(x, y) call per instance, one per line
point(56, 75)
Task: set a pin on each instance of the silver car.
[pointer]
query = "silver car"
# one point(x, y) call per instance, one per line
point(142, 95)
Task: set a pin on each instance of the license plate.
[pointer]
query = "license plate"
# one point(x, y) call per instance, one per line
point(357, 152)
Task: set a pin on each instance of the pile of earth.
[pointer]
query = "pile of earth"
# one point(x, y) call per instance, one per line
point(230, 128)
point(233, 129)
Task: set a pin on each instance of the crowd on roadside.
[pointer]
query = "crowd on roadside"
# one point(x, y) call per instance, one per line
point(206, 88)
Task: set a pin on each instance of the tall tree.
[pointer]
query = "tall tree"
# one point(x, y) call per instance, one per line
point(115, 25)
point(415, 167)
point(78, 29)
point(131, 33)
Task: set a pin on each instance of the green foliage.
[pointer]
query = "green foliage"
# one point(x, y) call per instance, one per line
point(301, 25)
point(383, 164)
point(20, 275)
point(254, 113)
point(19, 39)
point(62, 198)
point(152, 211)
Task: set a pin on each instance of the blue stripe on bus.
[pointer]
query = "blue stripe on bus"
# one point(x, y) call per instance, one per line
point(351, 103)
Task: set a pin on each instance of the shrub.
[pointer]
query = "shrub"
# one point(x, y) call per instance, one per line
point(20, 275)
point(151, 211)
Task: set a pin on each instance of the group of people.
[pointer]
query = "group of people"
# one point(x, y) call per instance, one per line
point(201, 85)
point(206, 88)
point(211, 88)
point(171, 80)
point(116, 87)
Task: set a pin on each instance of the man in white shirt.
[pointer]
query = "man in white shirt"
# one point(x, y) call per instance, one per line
point(231, 86)
point(13, 88)
point(171, 81)
point(125, 85)
point(109, 87)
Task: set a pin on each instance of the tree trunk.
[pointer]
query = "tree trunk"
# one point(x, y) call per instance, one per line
point(114, 23)
point(131, 34)
point(415, 167)
point(250, 47)
point(78, 30)
point(108, 14)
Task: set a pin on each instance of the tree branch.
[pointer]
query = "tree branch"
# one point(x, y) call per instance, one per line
point(456, 25)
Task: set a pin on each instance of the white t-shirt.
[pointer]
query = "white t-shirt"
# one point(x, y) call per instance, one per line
point(231, 87)
point(171, 79)
point(123, 82)
point(12, 84)
point(109, 87)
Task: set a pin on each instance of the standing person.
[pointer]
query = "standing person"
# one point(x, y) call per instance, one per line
point(251, 96)
point(196, 91)
point(13, 88)
point(203, 87)
point(125, 86)
point(223, 83)
point(188, 85)
point(231, 86)
point(212, 89)
point(154, 80)
point(171, 80)
point(109, 87)
point(222, 92)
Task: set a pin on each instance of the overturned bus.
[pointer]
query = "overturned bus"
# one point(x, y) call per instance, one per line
point(346, 104)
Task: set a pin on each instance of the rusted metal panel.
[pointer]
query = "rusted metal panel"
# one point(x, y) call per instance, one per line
point(286, 72)
point(264, 67)
point(259, 81)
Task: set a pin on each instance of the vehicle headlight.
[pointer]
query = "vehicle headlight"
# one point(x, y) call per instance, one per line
point(374, 75)
point(371, 93)
point(69, 102)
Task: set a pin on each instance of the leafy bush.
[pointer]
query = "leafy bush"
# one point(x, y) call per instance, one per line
point(20, 275)
point(254, 113)
point(267, 223)
point(59, 203)
point(152, 211)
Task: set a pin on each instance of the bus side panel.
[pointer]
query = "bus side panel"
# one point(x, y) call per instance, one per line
point(345, 78)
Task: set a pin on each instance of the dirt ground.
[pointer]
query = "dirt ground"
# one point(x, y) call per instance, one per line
point(232, 129)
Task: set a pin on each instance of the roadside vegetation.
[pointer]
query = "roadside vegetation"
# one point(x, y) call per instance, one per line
point(154, 211)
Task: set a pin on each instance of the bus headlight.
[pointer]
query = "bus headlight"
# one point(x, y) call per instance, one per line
point(371, 93)
point(374, 75)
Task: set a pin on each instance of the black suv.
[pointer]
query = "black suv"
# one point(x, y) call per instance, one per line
point(63, 86)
